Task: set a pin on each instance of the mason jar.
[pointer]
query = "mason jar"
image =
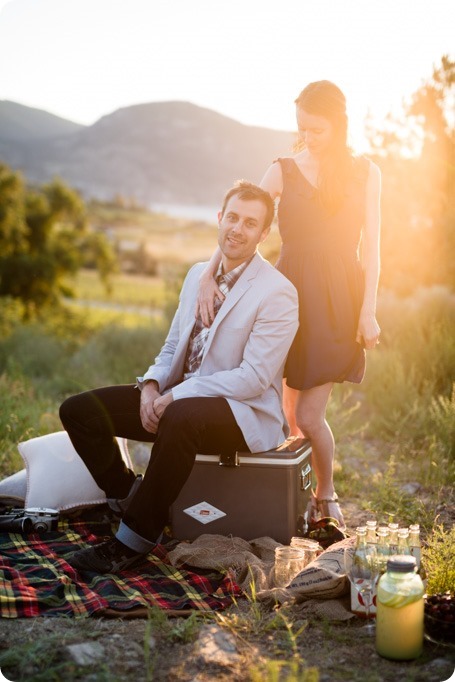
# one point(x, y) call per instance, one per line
point(399, 610)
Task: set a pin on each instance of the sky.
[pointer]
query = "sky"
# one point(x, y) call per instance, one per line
point(246, 59)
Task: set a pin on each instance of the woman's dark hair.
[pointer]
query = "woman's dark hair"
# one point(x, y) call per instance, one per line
point(324, 98)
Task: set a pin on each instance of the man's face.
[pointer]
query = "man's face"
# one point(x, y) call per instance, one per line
point(240, 230)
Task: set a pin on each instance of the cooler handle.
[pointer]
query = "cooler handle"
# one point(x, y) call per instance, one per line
point(229, 460)
point(305, 477)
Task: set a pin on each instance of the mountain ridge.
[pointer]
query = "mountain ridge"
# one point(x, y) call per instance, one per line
point(153, 152)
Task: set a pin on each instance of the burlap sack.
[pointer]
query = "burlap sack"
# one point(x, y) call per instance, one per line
point(248, 562)
point(323, 578)
point(253, 562)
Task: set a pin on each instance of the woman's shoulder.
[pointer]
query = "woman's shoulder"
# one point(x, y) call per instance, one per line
point(364, 168)
point(363, 162)
point(283, 165)
point(283, 161)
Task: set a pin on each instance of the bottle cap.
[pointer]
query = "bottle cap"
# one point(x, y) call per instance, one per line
point(402, 563)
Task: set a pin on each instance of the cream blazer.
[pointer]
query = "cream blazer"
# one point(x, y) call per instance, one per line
point(245, 351)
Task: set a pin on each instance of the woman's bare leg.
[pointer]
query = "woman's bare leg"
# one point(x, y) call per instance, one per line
point(305, 412)
point(310, 411)
point(290, 396)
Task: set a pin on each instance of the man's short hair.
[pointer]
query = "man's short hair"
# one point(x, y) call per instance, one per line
point(250, 192)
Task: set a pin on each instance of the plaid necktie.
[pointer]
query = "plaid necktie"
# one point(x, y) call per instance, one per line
point(198, 337)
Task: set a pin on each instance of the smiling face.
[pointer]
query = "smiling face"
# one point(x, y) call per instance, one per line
point(240, 230)
point(316, 132)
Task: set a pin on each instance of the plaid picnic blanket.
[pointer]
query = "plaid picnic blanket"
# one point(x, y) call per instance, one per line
point(36, 580)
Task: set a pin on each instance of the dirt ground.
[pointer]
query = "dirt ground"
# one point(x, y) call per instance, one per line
point(242, 644)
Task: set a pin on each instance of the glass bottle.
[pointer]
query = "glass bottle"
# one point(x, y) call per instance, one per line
point(400, 610)
point(371, 532)
point(362, 588)
point(403, 541)
point(414, 542)
point(393, 538)
point(382, 548)
point(385, 530)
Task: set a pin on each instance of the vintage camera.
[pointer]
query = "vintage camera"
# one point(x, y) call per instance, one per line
point(30, 520)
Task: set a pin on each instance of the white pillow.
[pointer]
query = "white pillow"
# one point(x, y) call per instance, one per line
point(57, 477)
point(13, 489)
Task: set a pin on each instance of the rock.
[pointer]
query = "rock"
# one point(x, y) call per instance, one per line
point(439, 667)
point(215, 646)
point(86, 653)
point(410, 488)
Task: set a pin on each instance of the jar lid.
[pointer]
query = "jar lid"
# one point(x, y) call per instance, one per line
point(402, 563)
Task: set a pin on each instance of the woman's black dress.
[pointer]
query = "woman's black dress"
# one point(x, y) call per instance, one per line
point(320, 255)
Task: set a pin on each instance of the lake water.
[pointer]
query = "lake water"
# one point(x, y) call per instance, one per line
point(192, 212)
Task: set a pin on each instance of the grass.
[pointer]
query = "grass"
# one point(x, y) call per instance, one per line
point(127, 290)
point(395, 428)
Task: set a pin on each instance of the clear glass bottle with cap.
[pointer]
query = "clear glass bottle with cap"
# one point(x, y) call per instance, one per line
point(393, 537)
point(400, 610)
point(403, 541)
point(414, 542)
point(362, 569)
point(382, 548)
point(371, 532)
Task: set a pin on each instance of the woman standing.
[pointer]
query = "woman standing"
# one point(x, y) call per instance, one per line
point(328, 213)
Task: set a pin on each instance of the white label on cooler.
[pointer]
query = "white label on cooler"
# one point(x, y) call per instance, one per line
point(204, 512)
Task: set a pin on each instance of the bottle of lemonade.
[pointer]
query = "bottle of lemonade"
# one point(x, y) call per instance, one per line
point(399, 610)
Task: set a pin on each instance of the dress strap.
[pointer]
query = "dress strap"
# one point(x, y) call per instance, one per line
point(286, 164)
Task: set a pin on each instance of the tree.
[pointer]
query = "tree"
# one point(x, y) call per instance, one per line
point(12, 219)
point(416, 156)
point(43, 238)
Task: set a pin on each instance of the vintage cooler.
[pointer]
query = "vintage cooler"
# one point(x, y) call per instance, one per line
point(249, 495)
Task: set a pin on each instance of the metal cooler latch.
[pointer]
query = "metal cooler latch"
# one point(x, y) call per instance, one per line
point(230, 460)
point(305, 477)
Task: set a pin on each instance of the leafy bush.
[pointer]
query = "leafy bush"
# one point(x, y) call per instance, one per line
point(19, 419)
point(115, 355)
point(408, 390)
point(438, 559)
point(30, 347)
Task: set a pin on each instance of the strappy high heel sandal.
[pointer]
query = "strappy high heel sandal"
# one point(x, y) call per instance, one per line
point(320, 508)
point(329, 507)
point(325, 520)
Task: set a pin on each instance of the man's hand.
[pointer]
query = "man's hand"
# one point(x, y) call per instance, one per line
point(161, 403)
point(149, 418)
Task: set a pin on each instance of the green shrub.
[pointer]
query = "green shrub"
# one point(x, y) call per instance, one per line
point(20, 417)
point(33, 350)
point(115, 355)
point(408, 389)
point(438, 560)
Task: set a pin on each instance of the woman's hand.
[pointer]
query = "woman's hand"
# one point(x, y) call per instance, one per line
point(368, 330)
point(208, 291)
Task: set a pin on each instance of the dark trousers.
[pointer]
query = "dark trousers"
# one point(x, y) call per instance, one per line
point(187, 427)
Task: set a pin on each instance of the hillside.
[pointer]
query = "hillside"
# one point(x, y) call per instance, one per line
point(162, 152)
point(21, 123)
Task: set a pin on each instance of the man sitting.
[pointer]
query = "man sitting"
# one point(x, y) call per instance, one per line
point(211, 390)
